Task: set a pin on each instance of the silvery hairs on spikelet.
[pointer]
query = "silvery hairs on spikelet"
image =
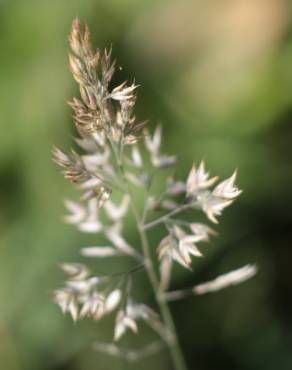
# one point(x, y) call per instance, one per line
point(118, 154)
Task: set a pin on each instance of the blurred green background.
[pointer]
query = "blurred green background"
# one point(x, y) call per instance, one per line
point(218, 75)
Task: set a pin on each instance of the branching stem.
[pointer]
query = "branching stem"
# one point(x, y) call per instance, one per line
point(164, 218)
point(171, 340)
point(131, 271)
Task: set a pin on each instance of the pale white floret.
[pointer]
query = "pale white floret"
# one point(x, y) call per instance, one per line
point(91, 224)
point(223, 281)
point(115, 212)
point(99, 252)
point(123, 322)
point(153, 143)
point(198, 179)
point(67, 302)
point(91, 183)
point(86, 218)
point(92, 305)
point(76, 271)
point(92, 161)
point(126, 318)
point(179, 252)
point(115, 237)
point(113, 300)
point(213, 206)
point(120, 93)
point(163, 161)
point(77, 212)
point(97, 304)
point(226, 189)
point(136, 157)
point(186, 246)
point(201, 232)
point(82, 286)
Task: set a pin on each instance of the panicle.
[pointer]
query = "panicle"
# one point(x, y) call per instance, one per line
point(111, 159)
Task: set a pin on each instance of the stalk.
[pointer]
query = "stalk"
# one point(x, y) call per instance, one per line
point(172, 339)
point(164, 218)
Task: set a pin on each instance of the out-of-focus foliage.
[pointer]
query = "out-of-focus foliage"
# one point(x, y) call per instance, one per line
point(218, 76)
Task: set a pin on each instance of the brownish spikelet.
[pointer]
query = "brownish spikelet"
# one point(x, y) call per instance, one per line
point(88, 97)
point(72, 164)
point(77, 69)
point(95, 59)
point(59, 157)
point(107, 67)
point(74, 37)
point(135, 128)
point(87, 120)
point(86, 42)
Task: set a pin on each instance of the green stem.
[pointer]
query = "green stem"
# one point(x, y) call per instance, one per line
point(164, 218)
point(171, 340)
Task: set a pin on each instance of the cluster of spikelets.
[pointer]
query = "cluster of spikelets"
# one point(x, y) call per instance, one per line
point(117, 153)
